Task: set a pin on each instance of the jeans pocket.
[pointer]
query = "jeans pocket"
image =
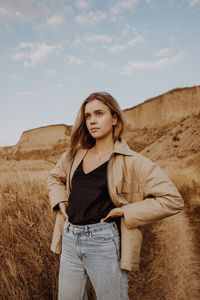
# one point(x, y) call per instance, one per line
point(103, 236)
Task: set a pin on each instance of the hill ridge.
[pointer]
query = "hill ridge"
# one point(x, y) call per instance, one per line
point(161, 95)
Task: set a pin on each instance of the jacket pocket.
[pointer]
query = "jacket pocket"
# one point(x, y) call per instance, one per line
point(128, 192)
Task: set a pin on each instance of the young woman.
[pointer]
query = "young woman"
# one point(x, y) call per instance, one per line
point(103, 192)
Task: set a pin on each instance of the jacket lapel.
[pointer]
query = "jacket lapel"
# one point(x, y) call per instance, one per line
point(78, 157)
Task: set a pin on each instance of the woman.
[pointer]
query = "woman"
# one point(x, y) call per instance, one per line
point(98, 183)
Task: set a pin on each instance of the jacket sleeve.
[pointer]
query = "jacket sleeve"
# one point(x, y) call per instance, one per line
point(160, 196)
point(56, 183)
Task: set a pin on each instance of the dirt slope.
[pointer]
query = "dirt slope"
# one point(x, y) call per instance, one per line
point(178, 141)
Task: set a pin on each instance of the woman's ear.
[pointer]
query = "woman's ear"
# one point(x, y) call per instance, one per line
point(114, 119)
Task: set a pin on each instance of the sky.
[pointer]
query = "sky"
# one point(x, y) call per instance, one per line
point(54, 53)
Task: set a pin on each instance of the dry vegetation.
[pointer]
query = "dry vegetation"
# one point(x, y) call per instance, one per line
point(28, 269)
point(170, 253)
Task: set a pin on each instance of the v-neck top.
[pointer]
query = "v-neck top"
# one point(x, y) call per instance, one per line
point(89, 199)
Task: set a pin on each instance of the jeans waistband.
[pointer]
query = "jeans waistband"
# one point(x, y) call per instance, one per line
point(89, 227)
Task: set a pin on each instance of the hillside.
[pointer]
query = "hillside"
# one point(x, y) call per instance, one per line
point(164, 109)
point(39, 143)
point(43, 137)
point(165, 125)
point(182, 139)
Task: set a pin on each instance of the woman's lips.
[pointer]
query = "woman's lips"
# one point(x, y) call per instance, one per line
point(94, 129)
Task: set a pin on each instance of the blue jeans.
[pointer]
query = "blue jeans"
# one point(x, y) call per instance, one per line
point(91, 251)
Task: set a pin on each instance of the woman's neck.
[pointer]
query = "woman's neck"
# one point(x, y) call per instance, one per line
point(105, 145)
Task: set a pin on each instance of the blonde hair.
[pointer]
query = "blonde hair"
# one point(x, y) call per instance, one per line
point(81, 137)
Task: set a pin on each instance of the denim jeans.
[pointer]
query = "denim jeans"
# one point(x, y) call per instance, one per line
point(91, 251)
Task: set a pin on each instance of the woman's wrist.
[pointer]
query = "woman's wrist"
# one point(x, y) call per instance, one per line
point(122, 209)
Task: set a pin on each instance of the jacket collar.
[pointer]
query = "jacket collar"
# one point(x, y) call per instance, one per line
point(121, 147)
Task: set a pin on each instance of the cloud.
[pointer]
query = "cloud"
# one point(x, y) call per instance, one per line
point(91, 18)
point(56, 21)
point(33, 53)
point(40, 13)
point(162, 52)
point(72, 60)
point(83, 4)
point(131, 67)
point(128, 29)
point(194, 2)
point(5, 13)
point(59, 15)
point(22, 9)
point(6, 16)
point(19, 56)
point(121, 47)
point(97, 38)
point(123, 5)
point(138, 39)
point(117, 48)
point(26, 45)
point(89, 38)
point(99, 65)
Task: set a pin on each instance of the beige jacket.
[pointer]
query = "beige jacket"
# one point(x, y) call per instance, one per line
point(134, 182)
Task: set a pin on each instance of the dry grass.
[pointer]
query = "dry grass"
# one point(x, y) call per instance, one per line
point(29, 270)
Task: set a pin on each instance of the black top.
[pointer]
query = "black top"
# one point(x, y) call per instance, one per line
point(89, 200)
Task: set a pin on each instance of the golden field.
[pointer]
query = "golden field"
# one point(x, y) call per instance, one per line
point(170, 267)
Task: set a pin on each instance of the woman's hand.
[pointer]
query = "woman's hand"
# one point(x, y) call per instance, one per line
point(62, 206)
point(114, 213)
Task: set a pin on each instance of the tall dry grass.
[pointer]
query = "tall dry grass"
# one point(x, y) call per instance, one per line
point(28, 268)
point(30, 271)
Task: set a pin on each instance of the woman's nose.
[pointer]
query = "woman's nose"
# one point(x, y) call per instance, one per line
point(93, 120)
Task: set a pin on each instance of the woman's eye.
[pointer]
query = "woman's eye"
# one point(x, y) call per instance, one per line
point(99, 114)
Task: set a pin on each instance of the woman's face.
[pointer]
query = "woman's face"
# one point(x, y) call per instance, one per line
point(99, 120)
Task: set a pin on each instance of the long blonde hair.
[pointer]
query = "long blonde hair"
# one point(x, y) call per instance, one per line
point(81, 137)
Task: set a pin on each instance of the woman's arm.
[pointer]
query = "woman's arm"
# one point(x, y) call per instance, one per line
point(114, 213)
point(56, 183)
point(161, 197)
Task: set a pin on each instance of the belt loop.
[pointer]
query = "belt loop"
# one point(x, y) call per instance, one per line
point(67, 227)
point(87, 230)
point(114, 224)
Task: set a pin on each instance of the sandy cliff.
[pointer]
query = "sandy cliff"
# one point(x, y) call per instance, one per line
point(165, 109)
point(43, 138)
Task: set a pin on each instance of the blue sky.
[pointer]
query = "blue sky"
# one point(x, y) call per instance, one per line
point(54, 53)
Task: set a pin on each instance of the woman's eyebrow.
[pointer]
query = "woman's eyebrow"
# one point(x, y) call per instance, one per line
point(95, 111)
point(98, 110)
